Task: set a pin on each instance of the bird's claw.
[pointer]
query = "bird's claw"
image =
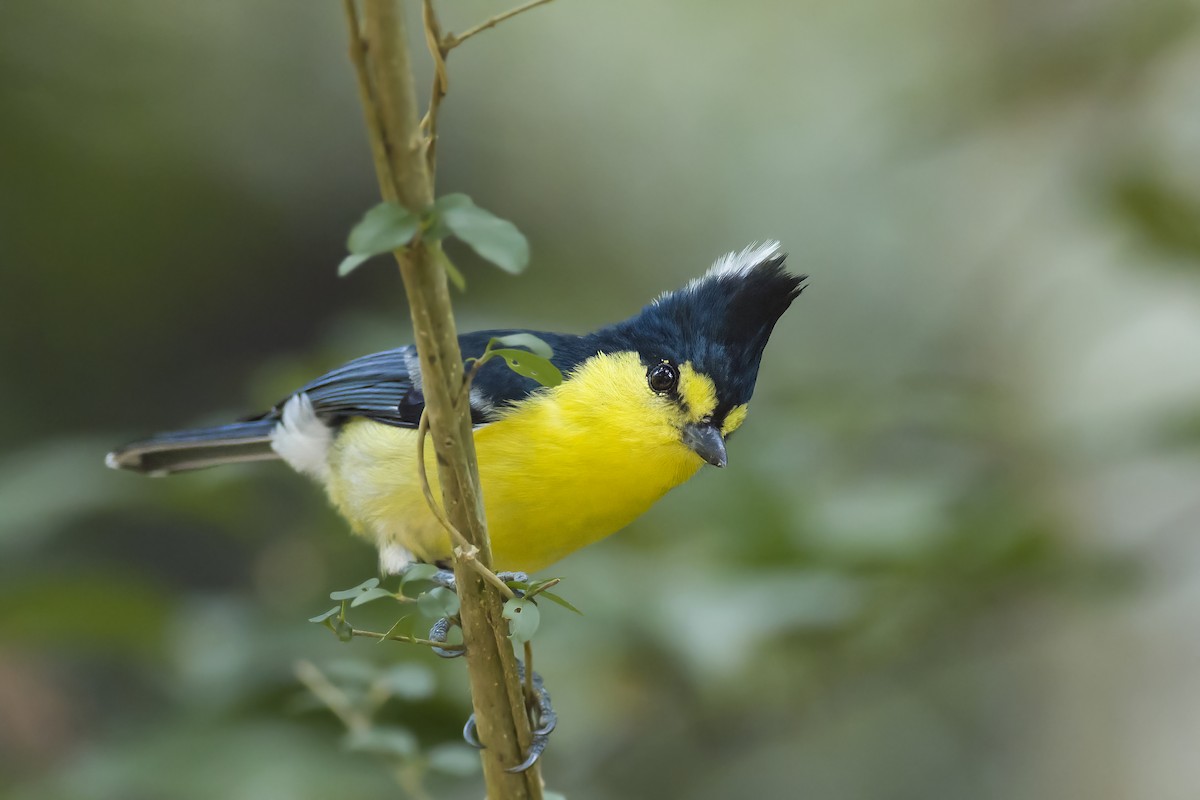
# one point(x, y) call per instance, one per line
point(471, 734)
point(438, 633)
point(441, 628)
point(544, 718)
point(535, 752)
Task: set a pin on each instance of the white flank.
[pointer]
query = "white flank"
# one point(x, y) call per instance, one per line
point(302, 439)
point(393, 559)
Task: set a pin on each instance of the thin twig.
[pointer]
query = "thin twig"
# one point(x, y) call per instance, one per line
point(427, 490)
point(467, 555)
point(399, 637)
point(530, 699)
point(463, 549)
point(452, 40)
point(441, 84)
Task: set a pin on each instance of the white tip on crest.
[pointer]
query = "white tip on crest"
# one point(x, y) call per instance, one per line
point(735, 264)
point(740, 264)
point(302, 439)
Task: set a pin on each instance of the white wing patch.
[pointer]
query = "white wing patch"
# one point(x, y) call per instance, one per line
point(413, 364)
point(480, 403)
point(302, 439)
point(736, 265)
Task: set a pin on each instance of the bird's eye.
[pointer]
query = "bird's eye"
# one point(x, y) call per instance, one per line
point(662, 377)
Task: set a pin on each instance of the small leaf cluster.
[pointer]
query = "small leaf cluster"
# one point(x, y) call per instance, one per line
point(431, 601)
point(391, 226)
point(522, 611)
point(435, 602)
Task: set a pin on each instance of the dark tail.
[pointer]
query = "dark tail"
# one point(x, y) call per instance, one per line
point(196, 449)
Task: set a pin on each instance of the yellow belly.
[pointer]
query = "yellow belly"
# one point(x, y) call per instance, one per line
point(565, 468)
point(545, 495)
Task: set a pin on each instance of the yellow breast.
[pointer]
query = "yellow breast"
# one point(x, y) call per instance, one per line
point(562, 469)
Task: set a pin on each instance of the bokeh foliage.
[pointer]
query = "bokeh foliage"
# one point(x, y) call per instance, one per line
point(953, 554)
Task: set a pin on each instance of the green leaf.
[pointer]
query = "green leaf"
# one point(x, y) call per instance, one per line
point(343, 629)
point(523, 618)
point(386, 227)
point(494, 239)
point(454, 759)
point(326, 615)
point(418, 572)
point(350, 594)
point(438, 602)
point(351, 263)
point(560, 600)
point(408, 681)
point(386, 740)
point(527, 340)
point(531, 366)
point(369, 595)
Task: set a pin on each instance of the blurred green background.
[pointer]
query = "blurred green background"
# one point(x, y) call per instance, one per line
point(954, 554)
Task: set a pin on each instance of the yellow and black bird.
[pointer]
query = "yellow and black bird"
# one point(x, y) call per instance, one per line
point(644, 404)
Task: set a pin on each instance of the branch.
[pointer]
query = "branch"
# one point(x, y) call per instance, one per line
point(452, 41)
point(380, 54)
point(439, 48)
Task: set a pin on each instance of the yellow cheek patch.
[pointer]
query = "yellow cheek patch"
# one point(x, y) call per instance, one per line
point(734, 419)
point(698, 391)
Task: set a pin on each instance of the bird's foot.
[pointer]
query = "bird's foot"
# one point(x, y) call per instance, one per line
point(543, 718)
point(445, 578)
point(438, 633)
point(441, 629)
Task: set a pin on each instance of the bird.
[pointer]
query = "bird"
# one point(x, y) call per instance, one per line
point(645, 403)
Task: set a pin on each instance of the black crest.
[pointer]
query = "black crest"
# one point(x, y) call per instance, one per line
point(720, 322)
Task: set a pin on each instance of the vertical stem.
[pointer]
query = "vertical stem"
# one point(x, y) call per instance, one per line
point(381, 56)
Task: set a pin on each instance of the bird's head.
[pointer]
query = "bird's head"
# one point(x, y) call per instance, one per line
point(699, 348)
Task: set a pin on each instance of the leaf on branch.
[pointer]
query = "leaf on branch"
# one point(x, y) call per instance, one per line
point(560, 600)
point(351, 594)
point(351, 263)
point(343, 629)
point(328, 614)
point(417, 572)
point(523, 618)
point(532, 343)
point(370, 594)
point(438, 602)
point(386, 227)
point(532, 366)
point(494, 239)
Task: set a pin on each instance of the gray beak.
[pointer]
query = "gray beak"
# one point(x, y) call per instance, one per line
point(706, 440)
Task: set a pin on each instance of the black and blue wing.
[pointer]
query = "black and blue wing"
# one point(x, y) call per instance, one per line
point(385, 387)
